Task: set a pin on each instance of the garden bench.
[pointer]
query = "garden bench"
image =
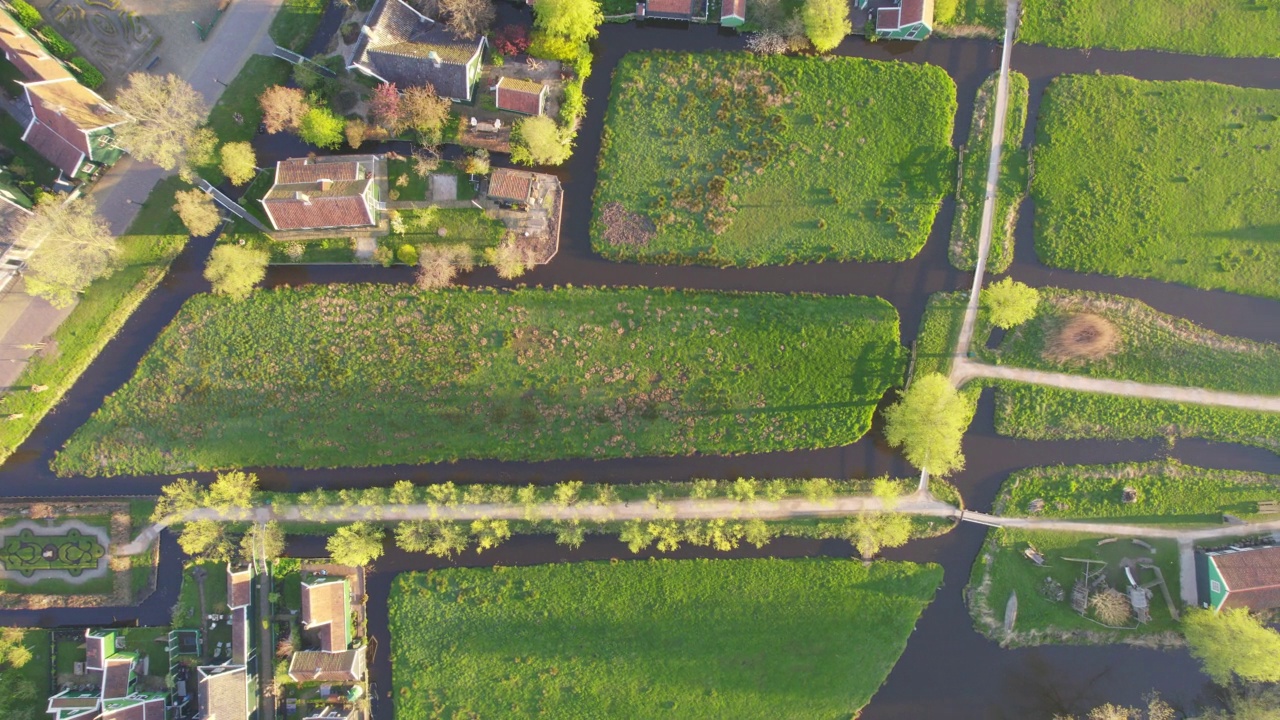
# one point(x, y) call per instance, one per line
point(1268, 507)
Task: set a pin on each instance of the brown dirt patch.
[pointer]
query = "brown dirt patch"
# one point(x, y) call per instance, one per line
point(1083, 336)
point(622, 227)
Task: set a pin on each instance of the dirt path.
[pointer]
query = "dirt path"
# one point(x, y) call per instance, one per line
point(964, 370)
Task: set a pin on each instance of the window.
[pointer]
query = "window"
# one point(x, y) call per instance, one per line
point(1215, 586)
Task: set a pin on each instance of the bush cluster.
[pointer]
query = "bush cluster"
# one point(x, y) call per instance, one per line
point(90, 76)
point(26, 15)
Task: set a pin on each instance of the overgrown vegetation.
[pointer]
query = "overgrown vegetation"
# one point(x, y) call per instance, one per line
point(1149, 346)
point(716, 638)
point(1163, 492)
point(735, 159)
point(972, 189)
point(1213, 27)
point(151, 243)
point(369, 375)
point(1166, 180)
point(1043, 413)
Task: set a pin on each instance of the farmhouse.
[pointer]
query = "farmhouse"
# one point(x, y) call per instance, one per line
point(1240, 578)
point(519, 95)
point(666, 9)
point(910, 20)
point(69, 124)
point(733, 13)
point(327, 620)
point(401, 45)
point(229, 691)
point(323, 192)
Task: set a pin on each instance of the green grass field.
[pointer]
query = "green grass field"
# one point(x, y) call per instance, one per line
point(808, 638)
point(1002, 568)
point(1042, 413)
point(1152, 347)
point(939, 332)
point(1210, 27)
point(732, 159)
point(974, 14)
point(359, 375)
point(469, 226)
point(1168, 493)
point(1167, 180)
point(296, 22)
point(151, 243)
point(972, 189)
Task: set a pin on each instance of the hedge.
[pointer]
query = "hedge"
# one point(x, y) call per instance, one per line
point(90, 76)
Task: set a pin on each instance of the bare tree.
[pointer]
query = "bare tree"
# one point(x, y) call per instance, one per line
point(73, 247)
point(424, 111)
point(468, 18)
point(283, 108)
point(439, 265)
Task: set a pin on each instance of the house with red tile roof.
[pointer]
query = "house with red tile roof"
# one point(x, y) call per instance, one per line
point(733, 13)
point(1240, 577)
point(117, 696)
point(327, 621)
point(518, 95)
point(909, 20)
point(336, 191)
point(667, 9)
point(69, 124)
point(229, 691)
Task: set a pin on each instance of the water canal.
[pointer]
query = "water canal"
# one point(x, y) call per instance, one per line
point(948, 671)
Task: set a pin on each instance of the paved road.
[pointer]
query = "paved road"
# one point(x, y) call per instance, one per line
point(963, 370)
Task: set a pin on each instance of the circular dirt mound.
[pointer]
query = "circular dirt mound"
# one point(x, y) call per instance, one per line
point(1083, 337)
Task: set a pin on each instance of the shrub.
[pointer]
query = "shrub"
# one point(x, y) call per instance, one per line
point(57, 44)
point(383, 256)
point(407, 254)
point(90, 76)
point(26, 15)
point(511, 39)
point(438, 265)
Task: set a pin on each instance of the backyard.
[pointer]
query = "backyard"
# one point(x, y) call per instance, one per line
point(359, 375)
point(1033, 412)
point(1166, 180)
point(448, 226)
point(733, 160)
point(241, 99)
point(972, 190)
point(769, 638)
point(1111, 336)
point(1212, 27)
point(1162, 492)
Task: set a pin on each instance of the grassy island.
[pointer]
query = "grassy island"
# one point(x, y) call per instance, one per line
point(1167, 180)
point(733, 159)
point(1211, 27)
point(809, 638)
point(358, 375)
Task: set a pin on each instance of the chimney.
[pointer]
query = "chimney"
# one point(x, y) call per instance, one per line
point(434, 57)
point(325, 184)
point(305, 198)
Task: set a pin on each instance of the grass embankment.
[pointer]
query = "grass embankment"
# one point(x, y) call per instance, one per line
point(241, 98)
point(151, 243)
point(1002, 568)
point(939, 332)
point(733, 159)
point(972, 189)
point(1213, 27)
point(371, 375)
point(296, 22)
point(1167, 180)
point(1149, 347)
point(1043, 413)
point(1166, 493)
point(691, 638)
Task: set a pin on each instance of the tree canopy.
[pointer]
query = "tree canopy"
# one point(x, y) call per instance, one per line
point(73, 247)
point(539, 141)
point(424, 112)
point(928, 423)
point(320, 127)
point(239, 162)
point(1233, 643)
point(197, 211)
point(283, 108)
point(357, 544)
point(826, 23)
point(234, 270)
point(574, 21)
point(167, 114)
point(468, 18)
point(1010, 303)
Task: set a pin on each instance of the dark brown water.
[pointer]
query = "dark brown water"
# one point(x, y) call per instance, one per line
point(948, 671)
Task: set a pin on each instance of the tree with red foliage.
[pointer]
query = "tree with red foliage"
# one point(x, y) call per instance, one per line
point(511, 39)
point(384, 108)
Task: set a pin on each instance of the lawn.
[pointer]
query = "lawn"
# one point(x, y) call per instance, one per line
point(359, 375)
point(972, 189)
point(807, 638)
point(320, 250)
point(1167, 492)
point(1002, 568)
point(296, 22)
point(241, 97)
point(939, 332)
point(987, 14)
point(1209, 27)
point(416, 187)
point(152, 241)
point(733, 159)
point(1167, 180)
point(469, 226)
point(1151, 347)
point(1042, 413)
point(28, 687)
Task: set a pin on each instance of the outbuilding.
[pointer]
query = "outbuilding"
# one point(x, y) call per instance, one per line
point(908, 20)
point(1240, 577)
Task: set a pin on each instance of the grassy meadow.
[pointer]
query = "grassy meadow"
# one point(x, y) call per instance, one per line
point(1234, 28)
point(939, 332)
point(1001, 568)
point(359, 375)
point(732, 159)
point(1043, 413)
point(972, 189)
point(1151, 347)
point(1168, 492)
point(806, 638)
point(1167, 180)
